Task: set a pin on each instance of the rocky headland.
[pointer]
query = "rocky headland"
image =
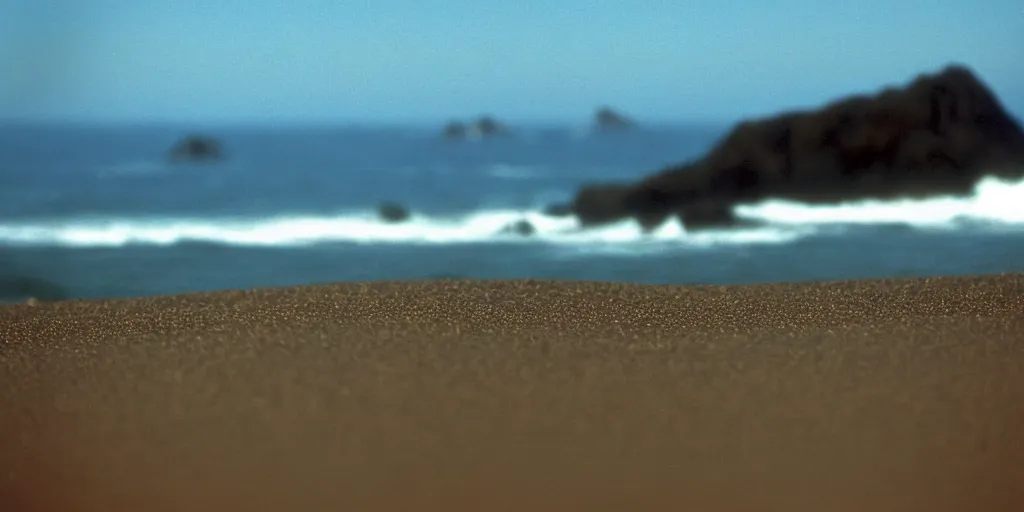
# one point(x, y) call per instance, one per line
point(937, 135)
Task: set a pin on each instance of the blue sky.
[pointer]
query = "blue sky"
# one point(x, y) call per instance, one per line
point(429, 60)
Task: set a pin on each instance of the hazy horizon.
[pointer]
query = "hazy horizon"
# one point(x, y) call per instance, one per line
point(401, 62)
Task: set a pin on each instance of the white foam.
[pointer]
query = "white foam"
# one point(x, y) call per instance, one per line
point(366, 227)
point(993, 201)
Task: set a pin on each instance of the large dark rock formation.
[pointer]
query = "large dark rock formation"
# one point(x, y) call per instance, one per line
point(197, 148)
point(937, 135)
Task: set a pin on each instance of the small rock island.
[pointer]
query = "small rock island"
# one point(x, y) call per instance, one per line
point(484, 127)
point(607, 120)
point(197, 149)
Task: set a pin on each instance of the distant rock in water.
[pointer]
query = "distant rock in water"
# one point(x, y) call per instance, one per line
point(393, 212)
point(482, 128)
point(520, 227)
point(455, 130)
point(197, 148)
point(487, 126)
point(608, 120)
point(938, 135)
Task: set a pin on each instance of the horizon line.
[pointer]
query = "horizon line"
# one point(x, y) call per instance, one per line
point(336, 122)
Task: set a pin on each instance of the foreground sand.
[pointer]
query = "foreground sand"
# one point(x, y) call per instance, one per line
point(855, 396)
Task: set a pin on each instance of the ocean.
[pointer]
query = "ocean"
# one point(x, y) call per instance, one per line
point(97, 211)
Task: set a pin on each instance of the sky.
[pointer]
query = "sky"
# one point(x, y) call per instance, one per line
point(398, 61)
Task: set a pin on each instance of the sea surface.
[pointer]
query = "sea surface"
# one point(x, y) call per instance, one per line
point(97, 211)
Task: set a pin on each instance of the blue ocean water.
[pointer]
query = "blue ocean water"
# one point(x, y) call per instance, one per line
point(99, 212)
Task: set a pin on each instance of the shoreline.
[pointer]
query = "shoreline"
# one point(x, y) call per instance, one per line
point(892, 394)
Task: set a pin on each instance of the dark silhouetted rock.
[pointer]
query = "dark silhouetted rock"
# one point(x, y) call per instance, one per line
point(937, 135)
point(608, 120)
point(455, 130)
point(197, 148)
point(520, 227)
point(483, 127)
point(393, 212)
point(709, 215)
point(601, 203)
point(487, 126)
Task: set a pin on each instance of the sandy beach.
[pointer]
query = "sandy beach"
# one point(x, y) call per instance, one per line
point(881, 395)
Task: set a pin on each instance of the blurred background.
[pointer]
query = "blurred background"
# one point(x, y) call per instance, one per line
point(154, 147)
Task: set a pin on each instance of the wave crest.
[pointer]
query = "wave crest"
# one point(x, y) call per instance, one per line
point(994, 203)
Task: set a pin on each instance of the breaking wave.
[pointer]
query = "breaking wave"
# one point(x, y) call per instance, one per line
point(360, 227)
point(994, 203)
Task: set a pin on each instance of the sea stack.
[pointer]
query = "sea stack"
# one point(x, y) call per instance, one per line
point(483, 127)
point(608, 120)
point(197, 148)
